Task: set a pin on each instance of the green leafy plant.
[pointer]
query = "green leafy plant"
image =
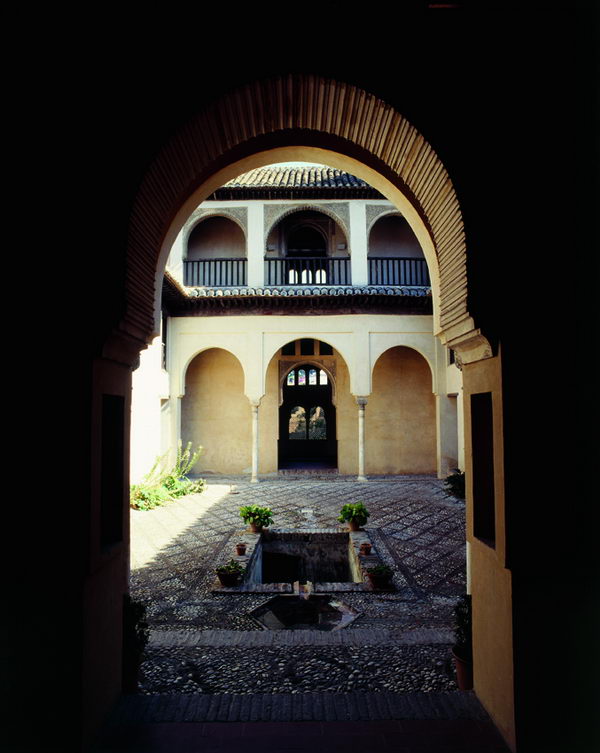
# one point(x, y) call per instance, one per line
point(463, 627)
point(259, 516)
point(380, 571)
point(231, 568)
point(164, 484)
point(455, 484)
point(356, 512)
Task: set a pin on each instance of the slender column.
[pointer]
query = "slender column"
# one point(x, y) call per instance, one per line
point(254, 405)
point(358, 243)
point(361, 402)
point(256, 245)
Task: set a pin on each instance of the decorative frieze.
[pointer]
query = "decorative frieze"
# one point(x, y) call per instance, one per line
point(274, 213)
point(239, 215)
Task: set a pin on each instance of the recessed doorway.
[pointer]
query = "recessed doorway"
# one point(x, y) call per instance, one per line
point(307, 421)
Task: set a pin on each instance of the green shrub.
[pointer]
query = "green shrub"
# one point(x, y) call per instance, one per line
point(354, 511)
point(260, 516)
point(381, 571)
point(463, 626)
point(455, 484)
point(231, 568)
point(162, 485)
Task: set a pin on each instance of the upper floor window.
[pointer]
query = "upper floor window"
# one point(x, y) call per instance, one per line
point(298, 378)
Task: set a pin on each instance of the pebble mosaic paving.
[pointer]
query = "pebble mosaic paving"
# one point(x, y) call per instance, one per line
point(416, 528)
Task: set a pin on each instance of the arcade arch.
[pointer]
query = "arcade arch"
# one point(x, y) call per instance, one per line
point(368, 139)
point(214, 406)
point(401, 415)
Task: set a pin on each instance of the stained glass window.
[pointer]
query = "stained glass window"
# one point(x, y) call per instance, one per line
point(322, 377)
point(291, 378)
point(312, 376)
point(297, 423)
point(301, 377)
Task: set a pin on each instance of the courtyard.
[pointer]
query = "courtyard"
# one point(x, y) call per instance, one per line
point(205, 643)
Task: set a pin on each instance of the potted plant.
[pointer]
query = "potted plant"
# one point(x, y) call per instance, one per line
point(380, 576)
point(135, 637)
point(455, 484)
point(257, 517)
point(240, 549)
point(463, 646)
point(365, 548)
point(230, 574)
point(355, 514)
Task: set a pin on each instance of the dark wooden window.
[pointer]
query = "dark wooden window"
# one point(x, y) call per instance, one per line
point(307, 347)
point(289, 349)
point(112, 470)
point(482, 435)
point(325, 349)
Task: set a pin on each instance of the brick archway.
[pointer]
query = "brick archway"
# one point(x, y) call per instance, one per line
point(302, 117)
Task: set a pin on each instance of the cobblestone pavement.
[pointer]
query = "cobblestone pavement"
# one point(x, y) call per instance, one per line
point(205, 643)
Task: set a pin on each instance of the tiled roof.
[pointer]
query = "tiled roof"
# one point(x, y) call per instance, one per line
point(296, 177)
point(304, 299)
point(288, 182)
point(309, 290)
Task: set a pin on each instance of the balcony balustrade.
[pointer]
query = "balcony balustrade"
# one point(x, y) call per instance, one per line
point(308, 271)
point(398, 271)
point(215, 273)
point(383, 271)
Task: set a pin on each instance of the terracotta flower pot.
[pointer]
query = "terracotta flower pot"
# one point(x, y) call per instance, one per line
point(464, 671)
point(255, 528)
point(240, 549)
point(353, 525)
point(365, 548)
point(229, 579)
point(379, 581)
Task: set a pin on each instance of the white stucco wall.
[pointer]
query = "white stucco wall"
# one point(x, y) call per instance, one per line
point(150, 387)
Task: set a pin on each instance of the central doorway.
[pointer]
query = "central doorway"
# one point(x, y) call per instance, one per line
point(307, 421)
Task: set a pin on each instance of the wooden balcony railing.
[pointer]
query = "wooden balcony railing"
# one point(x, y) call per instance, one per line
point(307, 271)
point(215, 273)
point(220, 273)
point(398, 271)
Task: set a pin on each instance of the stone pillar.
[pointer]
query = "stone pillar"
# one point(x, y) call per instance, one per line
point(255, 245)
point(358, 243)
point(361, 402)
point(254, 405)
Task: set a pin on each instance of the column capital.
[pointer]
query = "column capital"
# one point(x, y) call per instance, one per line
point(361, 400)
point(254, 401)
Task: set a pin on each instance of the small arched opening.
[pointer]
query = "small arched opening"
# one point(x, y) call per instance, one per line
point(216, 254)
point(307, 247)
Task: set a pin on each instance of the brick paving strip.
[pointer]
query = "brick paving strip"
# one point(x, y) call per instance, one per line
point(288, 707)
point(258, 638)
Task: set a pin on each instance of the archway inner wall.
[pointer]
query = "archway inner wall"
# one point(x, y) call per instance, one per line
point(400, 415)
point(215, 413)
point(309, 118)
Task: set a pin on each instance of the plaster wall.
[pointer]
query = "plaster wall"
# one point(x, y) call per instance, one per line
point(150, 383)
point(268, 421)
point(391, 236)
point(400, 432)
point(491, 581)
point(347, 421)
point(216, 413)
point(216, 237)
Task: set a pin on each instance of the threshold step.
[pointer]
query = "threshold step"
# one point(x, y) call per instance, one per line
point(287, 707)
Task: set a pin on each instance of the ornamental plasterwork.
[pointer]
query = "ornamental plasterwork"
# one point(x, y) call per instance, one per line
point(239, 215)
point(340, 213)
point(375, 211)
